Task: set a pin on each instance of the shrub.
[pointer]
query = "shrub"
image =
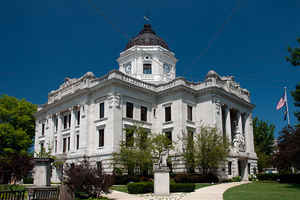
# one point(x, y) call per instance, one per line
point(252, 177)
point(140, 187)
point(268, 177)
point(182, 187)
point(289, 178)
point(28, 180)
point(85, 178)
point(124, 179)
point(195, 178)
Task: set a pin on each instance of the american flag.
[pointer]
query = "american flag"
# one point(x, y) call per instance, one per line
point(281, 102)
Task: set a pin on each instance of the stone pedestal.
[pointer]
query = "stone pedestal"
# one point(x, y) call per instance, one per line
point(42, 171)
point(162, 181)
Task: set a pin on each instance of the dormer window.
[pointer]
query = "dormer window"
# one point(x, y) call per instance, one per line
point(147, 68)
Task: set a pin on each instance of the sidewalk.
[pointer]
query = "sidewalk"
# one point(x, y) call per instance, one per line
point(214, 192)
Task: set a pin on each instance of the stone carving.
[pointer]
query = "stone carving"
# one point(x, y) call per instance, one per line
point(239, 142)
point(218, 105)
point(114, 101)
point(163, 160)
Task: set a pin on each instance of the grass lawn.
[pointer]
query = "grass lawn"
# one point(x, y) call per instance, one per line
point(120, 188)
point(201, 185)
point(263, 191)
point(123, 188)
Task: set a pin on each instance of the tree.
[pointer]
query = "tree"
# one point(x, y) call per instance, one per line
point(288, 149)
point(17, 128)
point(84, 177)
point(296, 96)
point(208, 147)
point(135, 152)
point(263, 142)
point(141, 150)
point(294, 58)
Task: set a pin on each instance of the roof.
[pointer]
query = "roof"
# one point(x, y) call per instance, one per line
point(147, 37)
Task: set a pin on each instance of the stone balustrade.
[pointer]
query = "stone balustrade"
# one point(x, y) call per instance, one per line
point(89, 81)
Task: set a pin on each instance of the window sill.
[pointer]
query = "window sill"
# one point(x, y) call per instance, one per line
point(137, 121)
point(168, 122)
point(190, 122)
point(100, 120)
point(77, 126)
point(41, 136)
point(65, 130)
point(99, 148)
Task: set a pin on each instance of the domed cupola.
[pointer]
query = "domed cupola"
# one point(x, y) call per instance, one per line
point(147, 37)
point(147, 57)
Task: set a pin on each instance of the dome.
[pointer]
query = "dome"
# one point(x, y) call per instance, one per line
point(147, 37)
point(212, 73)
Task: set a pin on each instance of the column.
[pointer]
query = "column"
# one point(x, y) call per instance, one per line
point(228, 124)
point(240, 126)
point(72, 129)
point(59, 138)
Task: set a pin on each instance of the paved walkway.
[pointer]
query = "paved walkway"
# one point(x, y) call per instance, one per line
point(214, 192)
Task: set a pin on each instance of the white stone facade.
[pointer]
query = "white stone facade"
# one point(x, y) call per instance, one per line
point(87, 116)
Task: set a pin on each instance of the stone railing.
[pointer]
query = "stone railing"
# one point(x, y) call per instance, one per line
point(228, 85)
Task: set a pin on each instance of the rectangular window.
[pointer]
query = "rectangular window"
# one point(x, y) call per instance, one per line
point(147, 69)
point(190, 113)
point(42, 147)
point(43, 129)
point(69, 120)
point(64, 145)
point(229, 168)
point(65, 121)
point(78, 117)
point(169, 136)
point(55, 145)
point(69, 143)
point(101, 137)
point(129, 138)
point(129, 110)
point(99, 165)
point(249, 168)
point(77, 141)
point(168, 114)
point(55, 124)
point(143, 113)
point(101, 111)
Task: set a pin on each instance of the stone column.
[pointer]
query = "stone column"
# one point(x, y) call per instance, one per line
point(72, 129)
point(59, 138)
point(240, 126)
point(228, 124)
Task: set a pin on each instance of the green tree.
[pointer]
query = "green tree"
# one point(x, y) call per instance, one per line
point(296, 96)
point(263, 142)
point(208, 147)
point(294, 57)
point(17, 128)
point(135, 152)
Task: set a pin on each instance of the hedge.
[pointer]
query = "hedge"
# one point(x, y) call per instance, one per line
point(182, 187)
point(140, 187)
point(282, 178)
point(195, 178)
point(124, 179)
point(147, 187)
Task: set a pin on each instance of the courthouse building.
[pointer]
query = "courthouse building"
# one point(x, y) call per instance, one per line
point(87, 115)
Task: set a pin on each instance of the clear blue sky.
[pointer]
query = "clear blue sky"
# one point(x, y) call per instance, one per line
point(42, 42)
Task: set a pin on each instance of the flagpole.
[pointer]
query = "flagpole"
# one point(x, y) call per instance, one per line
point(287, 107)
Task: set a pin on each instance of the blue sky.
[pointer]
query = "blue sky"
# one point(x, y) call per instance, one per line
point(42, 42)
